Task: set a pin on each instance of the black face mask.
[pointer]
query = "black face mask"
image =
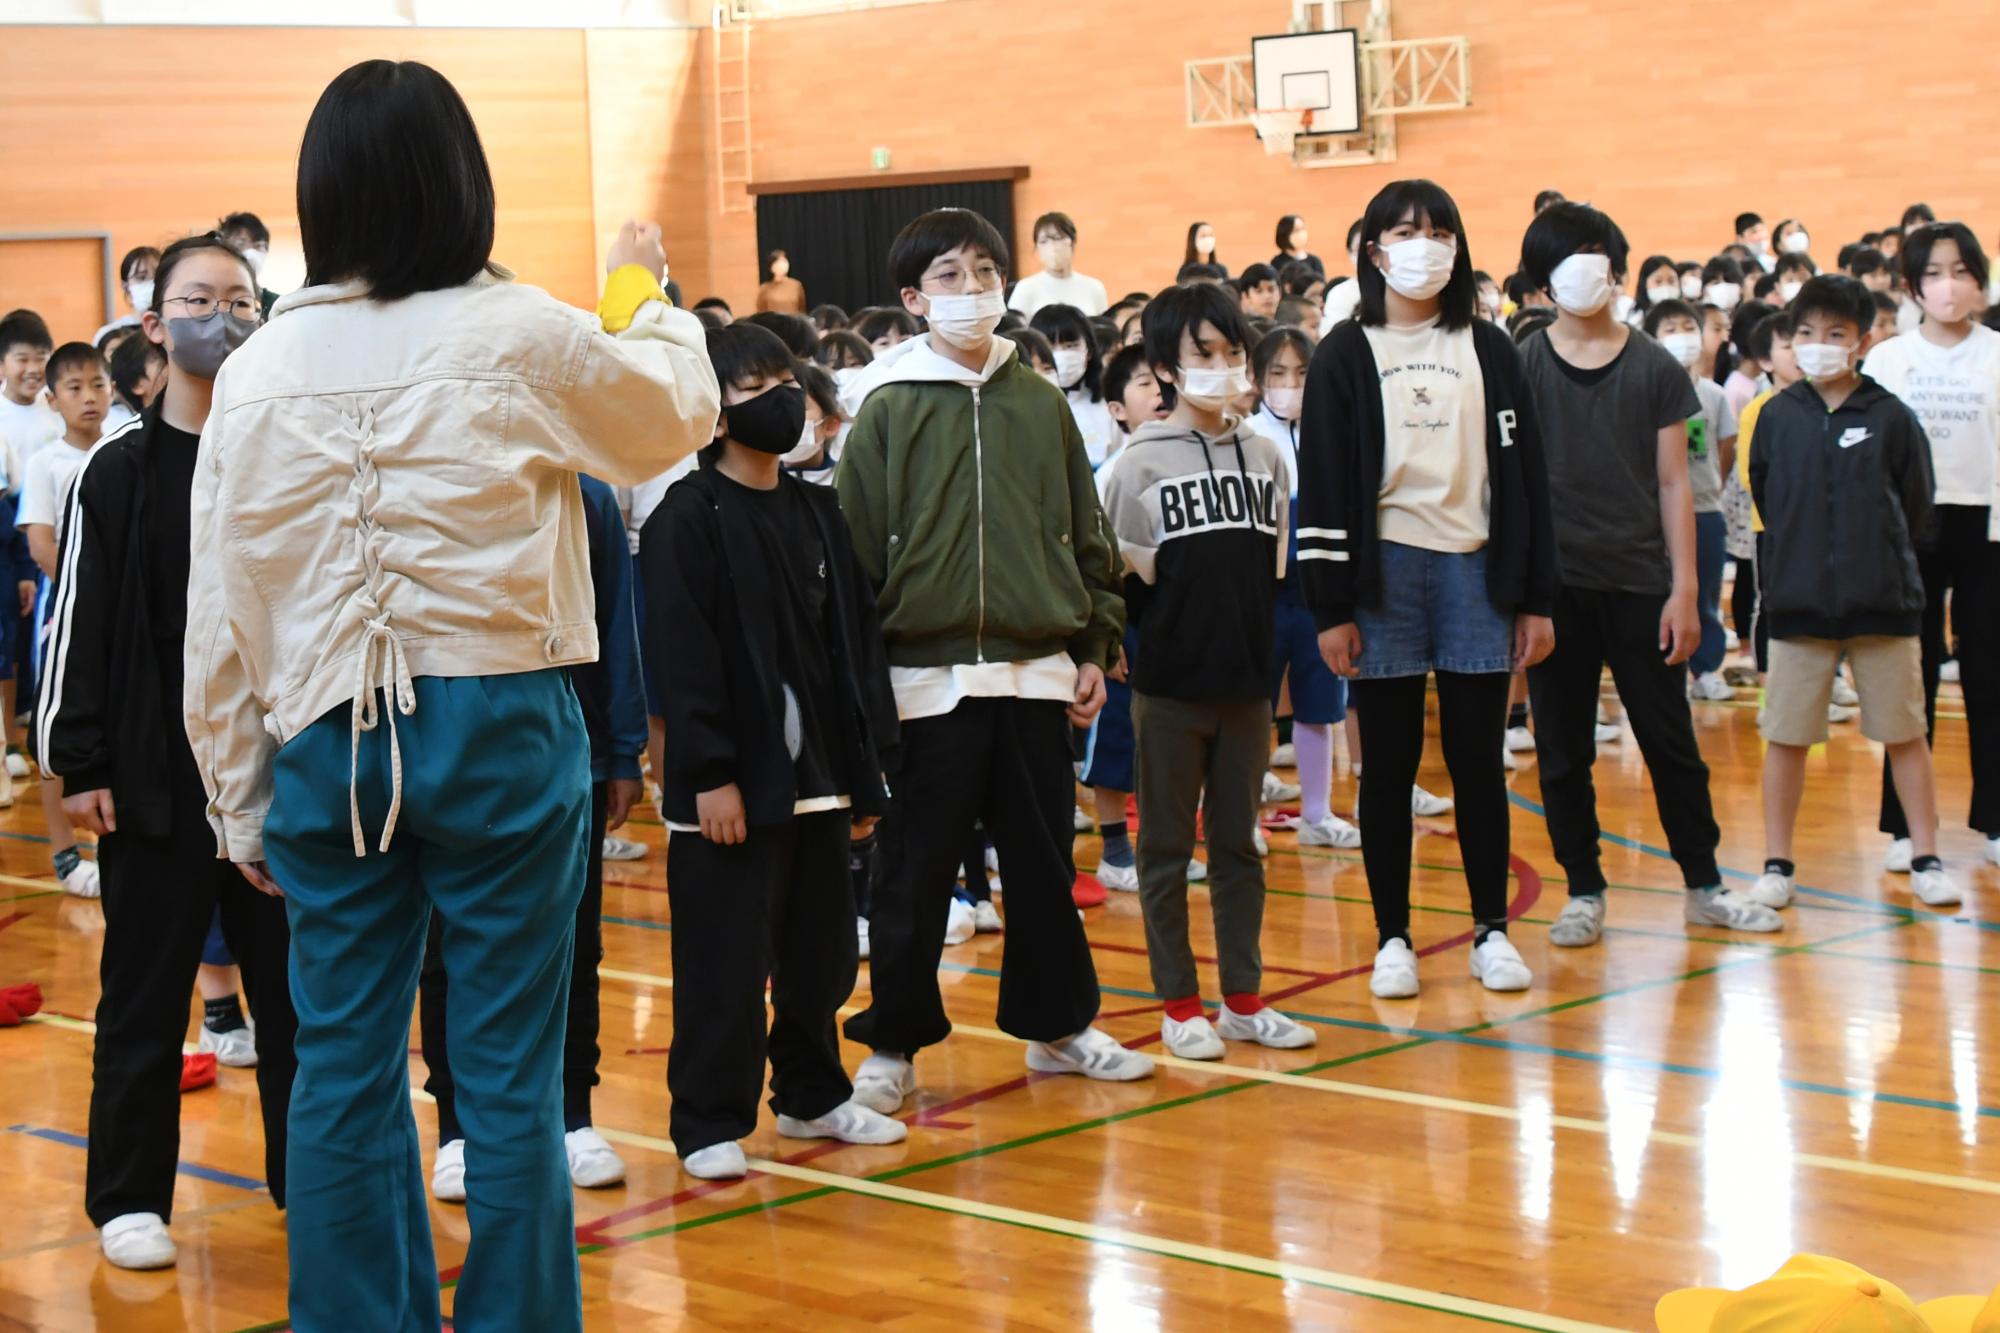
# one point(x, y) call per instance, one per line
point(770, 423)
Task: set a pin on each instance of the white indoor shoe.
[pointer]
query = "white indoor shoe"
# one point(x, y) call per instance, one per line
point(1935, 888)
point(986, 919)
point(1395, 975)
point(850, 1122)
point(1426, 806)
point(1843, 693)
point(861, 936)
point(1083, 821)
point(1897, 859)
point(1285, 757)
point(1277, 789)
point(593, 1163)
point(883, 1081)
point(137, 1240)
point(1608, 734)
point(17, 764)
point(237, 1049)
point(718, 1161)
point(1333, 831)
point(961, 922)
point(448, 1173)
point(1498, 965)
point(1266, 1027)
point(1123, 879)
point(82, 882)
point(622, 849)
point(1841, 713)
point(1507, 760)
point(1194, 1039)
point(1711, 687)
point(1094, 1053)
point(1729, 911)
point(1520, 740)
point(1771, 890)
point(1197, 871)
point(1263, 843)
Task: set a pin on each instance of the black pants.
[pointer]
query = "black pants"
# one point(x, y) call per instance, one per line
point(1968, 565)
point(1472, 726)
point(1743, 601)
point(1003, 762)
point(1594, 629)
point(580, 1051)
point(160, 895)
point(778, 906)
point(1760, 637)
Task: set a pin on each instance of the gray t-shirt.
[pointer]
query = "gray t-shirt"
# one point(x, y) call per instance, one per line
point(1601, 437)
point(1707, 429)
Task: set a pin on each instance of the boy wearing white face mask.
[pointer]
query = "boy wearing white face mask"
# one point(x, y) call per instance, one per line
point(1058, 283)
point(247, 232)
point(975, 517)
point(1841, 474)
point(1200, 504)
point(1948, 371)
point(1614, 407)
point(1676, 326)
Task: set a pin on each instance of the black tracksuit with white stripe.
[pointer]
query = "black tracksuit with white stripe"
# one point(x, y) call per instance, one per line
point(1341, 439)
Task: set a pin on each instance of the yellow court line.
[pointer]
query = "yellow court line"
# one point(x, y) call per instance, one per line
point(1351, 1283)
point(638, 978)
point(23, 882)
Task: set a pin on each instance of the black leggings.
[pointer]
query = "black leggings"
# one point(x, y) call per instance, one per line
point(1472, 723)
point(1743, 600)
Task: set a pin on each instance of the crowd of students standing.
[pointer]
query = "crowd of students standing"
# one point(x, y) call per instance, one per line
point(871, 595)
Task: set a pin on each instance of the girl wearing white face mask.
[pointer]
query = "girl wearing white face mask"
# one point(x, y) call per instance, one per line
point(135, 279)
point(1948, 372)
point(1426, 546)
point(1722, 283)
point(1677, 326)
point(1201, 247)
point(1615, 406)
point(1079, 374)
point(1058, 283)
point(1790, 238)
point(1659, 280)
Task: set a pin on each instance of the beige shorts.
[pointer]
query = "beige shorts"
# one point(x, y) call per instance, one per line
point(1888, 675)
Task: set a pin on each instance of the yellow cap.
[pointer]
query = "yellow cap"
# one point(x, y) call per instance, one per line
point(1963, 1314)
point(1810, 1294)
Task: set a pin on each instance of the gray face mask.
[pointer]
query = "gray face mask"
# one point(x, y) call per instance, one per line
point(202, 345)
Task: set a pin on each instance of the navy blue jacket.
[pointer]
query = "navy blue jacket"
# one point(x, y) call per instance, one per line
point(611, 689)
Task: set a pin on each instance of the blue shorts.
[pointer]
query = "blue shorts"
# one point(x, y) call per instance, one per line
point(1109, 753)
point(213, 950)
point(1318, 696)
point(1435, 616)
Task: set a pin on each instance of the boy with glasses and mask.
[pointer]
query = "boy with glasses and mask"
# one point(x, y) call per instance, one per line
point(1058, 283)
point(976, 520)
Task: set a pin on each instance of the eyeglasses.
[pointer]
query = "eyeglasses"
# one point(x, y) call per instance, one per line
point(201, 307)
point(951, 281)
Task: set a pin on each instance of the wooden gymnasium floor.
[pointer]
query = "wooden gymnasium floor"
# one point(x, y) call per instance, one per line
point(1673, 1107)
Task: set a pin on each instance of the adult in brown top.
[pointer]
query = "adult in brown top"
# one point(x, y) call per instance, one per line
point(783, 291)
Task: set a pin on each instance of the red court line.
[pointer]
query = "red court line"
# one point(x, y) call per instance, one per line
point(6, 921)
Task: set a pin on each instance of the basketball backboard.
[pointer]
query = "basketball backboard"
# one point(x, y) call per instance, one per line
point(1311, 71)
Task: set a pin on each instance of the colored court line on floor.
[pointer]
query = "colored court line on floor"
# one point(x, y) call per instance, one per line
point(196, 1170)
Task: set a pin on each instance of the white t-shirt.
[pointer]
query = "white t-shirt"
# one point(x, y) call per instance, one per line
point(1039, 289)
point(1340, 304)
point(1434, 484)
point(1093, 420)
point(1955, 392)
point(1281, 433)
point(28, 429)
point(45, 490)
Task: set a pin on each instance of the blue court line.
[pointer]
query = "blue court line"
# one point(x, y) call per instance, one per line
point(637, 921)
point(195, 1169)
point(1887, 909)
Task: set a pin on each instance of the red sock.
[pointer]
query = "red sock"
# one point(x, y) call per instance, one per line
point(197, 1071)
point(1246, 1002)
point(23, 999)
point(1182, 1010)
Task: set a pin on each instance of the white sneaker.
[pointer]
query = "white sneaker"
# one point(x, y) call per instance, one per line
point(1711, 687)
point(1608, 734)
point(1772, 890)
point(1730, 641)
point(236, 1049)
point(1897, 859)
point(17, 765)
point(593, 1163)
point(883, 1081)
point(1333, 831)
point(861, 935)
point(1197, 871)
point(1266, 1027)
point(986, 919)
point(1395, 976)
point(1507, 760)
point(137, 1240)
point(1263, 843)
point(1084, 821)
point(1948, 671)
point(718, 1161)
point(1935, 888)
point(1843, 693)
point(1426, 806)
point(1277, 789)
point(1123, 879)
point(960, 924)
point(1603, 714)
point(1498, 965)
point(1730, 911)
point(1192, 1040)
point(1580, 924)
point(448, 1173)
point(1285, 756)
point(1520, 740)
point(1094, 1053)
point(622, 849)
point(82, 882)
point(850, 1122)
point(1841, 713)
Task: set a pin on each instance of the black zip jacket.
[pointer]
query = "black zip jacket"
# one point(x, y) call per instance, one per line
point(1846, 499)
point(711, 636)
point(101, 721)
point(1341, 441)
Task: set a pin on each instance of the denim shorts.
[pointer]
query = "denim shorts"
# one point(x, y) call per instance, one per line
point(1435, 616)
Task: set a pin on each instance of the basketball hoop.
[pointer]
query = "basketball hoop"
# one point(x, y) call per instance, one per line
point(1279, 128)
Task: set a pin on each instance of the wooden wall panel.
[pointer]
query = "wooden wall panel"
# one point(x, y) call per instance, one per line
point(60, 280)
point(151, 133)
point(648, 147)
